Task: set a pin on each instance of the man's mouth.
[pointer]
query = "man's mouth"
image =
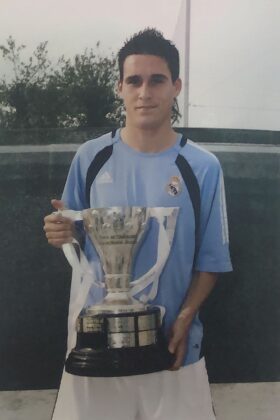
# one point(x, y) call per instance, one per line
point(146, 107)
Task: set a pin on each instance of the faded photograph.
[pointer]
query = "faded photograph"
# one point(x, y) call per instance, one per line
point(139, 159)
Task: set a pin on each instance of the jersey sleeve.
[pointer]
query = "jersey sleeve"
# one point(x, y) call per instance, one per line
point(213, 254)
point(74, 190)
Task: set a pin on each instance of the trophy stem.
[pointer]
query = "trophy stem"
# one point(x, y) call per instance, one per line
point(117, 282)
point(118, 293)
point(118, 298)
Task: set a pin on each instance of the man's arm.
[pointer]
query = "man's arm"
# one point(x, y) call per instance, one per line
point(201, 286)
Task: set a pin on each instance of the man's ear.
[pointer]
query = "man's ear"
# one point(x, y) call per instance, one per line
point(178, 86)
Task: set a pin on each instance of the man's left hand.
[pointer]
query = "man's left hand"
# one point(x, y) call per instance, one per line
point(178, 341)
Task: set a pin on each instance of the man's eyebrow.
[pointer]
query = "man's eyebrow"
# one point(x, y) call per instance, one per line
point(159, 76)
point(136, 77)
point(132, 78)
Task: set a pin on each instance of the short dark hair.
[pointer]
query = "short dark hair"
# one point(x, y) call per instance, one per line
point(151, 42)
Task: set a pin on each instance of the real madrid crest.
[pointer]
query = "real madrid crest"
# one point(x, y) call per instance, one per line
point(174, 186)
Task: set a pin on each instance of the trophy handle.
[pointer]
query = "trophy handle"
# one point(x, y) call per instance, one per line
point(83, 278)
point(80, 286)
point(79, 263)
point(166, 218)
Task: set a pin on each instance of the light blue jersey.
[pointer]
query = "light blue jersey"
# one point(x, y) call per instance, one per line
point(132, 178)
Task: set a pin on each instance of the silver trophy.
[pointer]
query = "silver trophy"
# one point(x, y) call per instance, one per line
point(120, 335)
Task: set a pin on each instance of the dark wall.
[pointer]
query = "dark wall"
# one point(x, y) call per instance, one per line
point(242, 316)
point(34, 277)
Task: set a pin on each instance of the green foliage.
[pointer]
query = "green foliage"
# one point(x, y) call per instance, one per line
point(76, 93)
point(87, 86)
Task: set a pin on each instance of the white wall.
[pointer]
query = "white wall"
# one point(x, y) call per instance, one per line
point(235, 64)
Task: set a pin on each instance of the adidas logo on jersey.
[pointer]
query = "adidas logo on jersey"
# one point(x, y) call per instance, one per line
point(104, 178)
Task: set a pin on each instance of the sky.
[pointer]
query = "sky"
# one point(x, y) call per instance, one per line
point(71, 26)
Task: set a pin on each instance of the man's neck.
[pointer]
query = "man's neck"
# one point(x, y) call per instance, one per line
point(149, 140)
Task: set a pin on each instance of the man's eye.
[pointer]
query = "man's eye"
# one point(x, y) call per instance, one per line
point(157, 81)
point(134, 81)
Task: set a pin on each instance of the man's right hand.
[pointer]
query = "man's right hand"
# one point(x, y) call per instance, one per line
point(59, 230)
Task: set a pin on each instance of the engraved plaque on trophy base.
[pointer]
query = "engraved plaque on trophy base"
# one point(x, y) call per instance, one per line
point(122, 344)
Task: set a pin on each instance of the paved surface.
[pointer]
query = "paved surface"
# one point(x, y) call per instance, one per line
point(258, 401)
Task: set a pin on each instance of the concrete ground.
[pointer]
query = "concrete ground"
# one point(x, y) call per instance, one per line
point(258, 401)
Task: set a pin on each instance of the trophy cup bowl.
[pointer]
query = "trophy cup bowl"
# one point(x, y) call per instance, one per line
point(120, 335)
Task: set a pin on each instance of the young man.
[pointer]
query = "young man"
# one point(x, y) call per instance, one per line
point(146, 163)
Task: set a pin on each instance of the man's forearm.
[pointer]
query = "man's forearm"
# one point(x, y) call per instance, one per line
point(201, 286)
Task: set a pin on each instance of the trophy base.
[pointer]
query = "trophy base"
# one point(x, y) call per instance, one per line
point(118, 362)
point(119, 345)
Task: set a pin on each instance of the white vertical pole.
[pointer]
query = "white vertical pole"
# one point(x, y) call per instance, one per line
point(185, 111)
point(181, 38)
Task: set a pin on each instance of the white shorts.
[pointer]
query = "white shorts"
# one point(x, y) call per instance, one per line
point(166, 395)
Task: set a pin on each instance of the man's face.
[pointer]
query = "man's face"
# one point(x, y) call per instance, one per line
point(147, 91)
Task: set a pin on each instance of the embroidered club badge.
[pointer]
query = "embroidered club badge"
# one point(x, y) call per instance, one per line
point(174, 186)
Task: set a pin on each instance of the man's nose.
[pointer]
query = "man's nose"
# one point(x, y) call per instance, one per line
point(144, 91)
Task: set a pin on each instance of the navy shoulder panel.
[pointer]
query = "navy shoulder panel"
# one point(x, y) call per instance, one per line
point(192, 186)
point(100, 159)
